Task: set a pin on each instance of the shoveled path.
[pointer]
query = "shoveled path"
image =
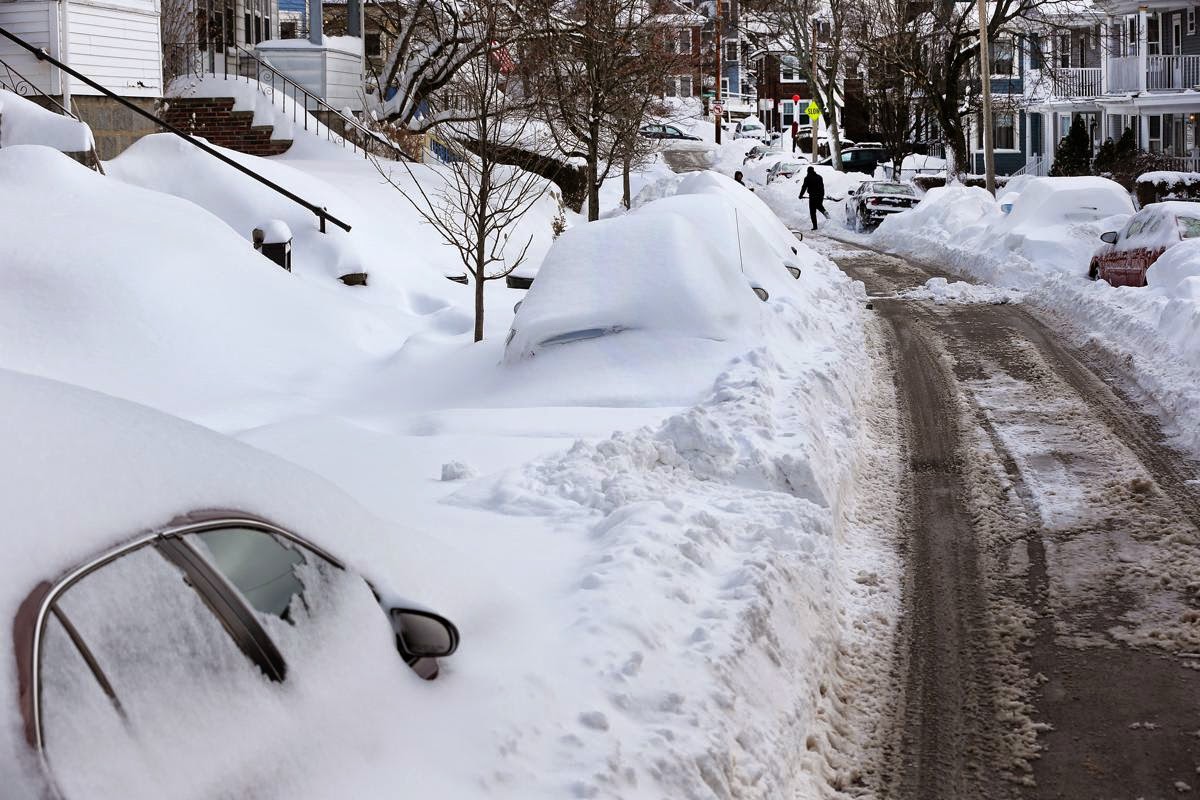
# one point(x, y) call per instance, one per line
point(1051, 640)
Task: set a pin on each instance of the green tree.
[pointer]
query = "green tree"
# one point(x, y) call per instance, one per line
point(1073, 156)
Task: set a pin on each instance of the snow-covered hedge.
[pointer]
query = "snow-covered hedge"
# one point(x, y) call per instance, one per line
point(1154, 187)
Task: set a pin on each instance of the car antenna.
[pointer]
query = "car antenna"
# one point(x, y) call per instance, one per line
point(738, 228)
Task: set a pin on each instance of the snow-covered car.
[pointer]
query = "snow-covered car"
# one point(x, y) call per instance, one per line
point(755, 153)
point(666, 132)
point(859, 159)
point(197, 656)
point(1127, 254)
point(871, 201)
point(752, 128)
point(785, 169)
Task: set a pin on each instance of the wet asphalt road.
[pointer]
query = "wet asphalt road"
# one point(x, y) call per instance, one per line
point(1052, 585)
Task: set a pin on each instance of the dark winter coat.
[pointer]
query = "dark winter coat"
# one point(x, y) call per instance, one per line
point(814, 186)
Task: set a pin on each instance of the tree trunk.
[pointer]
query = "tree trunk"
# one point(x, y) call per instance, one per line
point(627, 166)
point(593, 170)
point(481, 220)
point(479, 283)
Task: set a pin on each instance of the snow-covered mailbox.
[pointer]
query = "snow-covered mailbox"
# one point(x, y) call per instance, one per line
point(274, 240)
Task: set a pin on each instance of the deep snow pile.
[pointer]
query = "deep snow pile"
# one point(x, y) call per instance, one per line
point(1043, 248)
point(674, 610)
point(25, 122)
point(708, 611)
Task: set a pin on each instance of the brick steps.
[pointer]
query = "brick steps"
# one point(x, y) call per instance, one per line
point(215, 120)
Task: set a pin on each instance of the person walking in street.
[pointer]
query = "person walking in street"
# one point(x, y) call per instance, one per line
point(737, 176)
point(795, 135)
point(815, 187)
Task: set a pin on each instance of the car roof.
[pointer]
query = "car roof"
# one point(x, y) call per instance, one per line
point(85, 471)
point(1180, 208)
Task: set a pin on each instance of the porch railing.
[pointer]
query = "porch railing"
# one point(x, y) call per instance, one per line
point(1172, 72)
point(1182, 164)
point(1123, 74)
point(291, 98)
point(12, 80)
point(1076, 81)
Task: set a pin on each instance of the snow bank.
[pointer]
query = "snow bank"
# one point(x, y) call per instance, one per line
point(1043, 248)
point(25, 122)
point(151, 298)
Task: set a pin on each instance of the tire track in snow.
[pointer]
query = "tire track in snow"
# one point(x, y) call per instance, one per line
point(1081, 539)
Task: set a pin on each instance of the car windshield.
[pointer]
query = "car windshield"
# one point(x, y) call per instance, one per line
point(750, 126)
point(892, 188)
point(1189, 227)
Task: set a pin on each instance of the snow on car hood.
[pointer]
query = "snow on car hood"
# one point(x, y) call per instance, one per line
point(84, 471)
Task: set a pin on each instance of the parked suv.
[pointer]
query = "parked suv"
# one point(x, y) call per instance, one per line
point(860, 159)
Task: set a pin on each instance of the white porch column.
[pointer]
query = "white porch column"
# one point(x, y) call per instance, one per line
point(1050, 129)
point(1107, 51)
point(1143, 129)
point(1142, 47)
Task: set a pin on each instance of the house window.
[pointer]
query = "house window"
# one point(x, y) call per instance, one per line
point(1191, 20)
point(249, 28)
point(1131, 37)
point(372, 44)
point(684, 45)
point(1002, 57)
point(787, 112)
point(1035, 51)
point(1064, 50)
point(1004, 131)
point(724, 87)
point(731, 51)
point(1155, 125)
point(685, 85)
point(789, 68)
point(1154, 35)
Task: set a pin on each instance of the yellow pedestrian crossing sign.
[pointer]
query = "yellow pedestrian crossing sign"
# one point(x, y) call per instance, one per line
point(813, 110)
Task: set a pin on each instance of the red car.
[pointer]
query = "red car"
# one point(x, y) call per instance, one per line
point(1129, 253)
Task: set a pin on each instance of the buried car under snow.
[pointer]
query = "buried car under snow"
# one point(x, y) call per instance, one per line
point(625, 280)
point(213, 654)
point(1129, 253)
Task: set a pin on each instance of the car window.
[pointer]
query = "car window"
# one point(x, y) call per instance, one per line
point(672, 130)
point(1134, 227)
point(893, 188)
point(262, 566)
point(1189, 227)
point(182, 683)
point(306, 603)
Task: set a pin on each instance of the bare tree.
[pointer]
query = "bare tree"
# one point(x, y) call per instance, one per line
point(886, 35)
point(481, 199)
point(597, 73)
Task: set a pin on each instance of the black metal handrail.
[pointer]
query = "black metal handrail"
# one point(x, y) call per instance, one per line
point(42, 55)
point(249, 67)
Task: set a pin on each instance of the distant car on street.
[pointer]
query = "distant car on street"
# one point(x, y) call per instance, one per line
point(785, 169)
point(666, 132)
point(752, 128)
point(872, 201)
point(1127, 254)
point(859, 159)
point(756, 152)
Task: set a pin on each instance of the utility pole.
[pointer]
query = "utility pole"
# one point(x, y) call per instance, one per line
point(719, 44)
point(985, 81)
point(813, 91)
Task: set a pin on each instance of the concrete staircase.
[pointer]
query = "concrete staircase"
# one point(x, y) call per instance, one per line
point(214, 119)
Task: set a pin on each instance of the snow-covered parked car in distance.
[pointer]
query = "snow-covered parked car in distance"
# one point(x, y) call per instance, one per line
point(158, 651)
point(872, 201)
point(1127, 254)
point(785, 169)
point(752, 128)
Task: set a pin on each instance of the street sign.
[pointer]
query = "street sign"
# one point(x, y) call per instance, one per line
point(709, 94)
point(718, 109)
point(813, 110)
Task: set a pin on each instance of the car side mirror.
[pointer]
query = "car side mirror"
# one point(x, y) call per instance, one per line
point(423, 634)
point(793, 269)
point(1109, 237)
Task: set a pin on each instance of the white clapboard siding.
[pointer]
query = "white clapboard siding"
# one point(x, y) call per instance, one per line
point(343, 80)
point(117, 46)
point(37, 22)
